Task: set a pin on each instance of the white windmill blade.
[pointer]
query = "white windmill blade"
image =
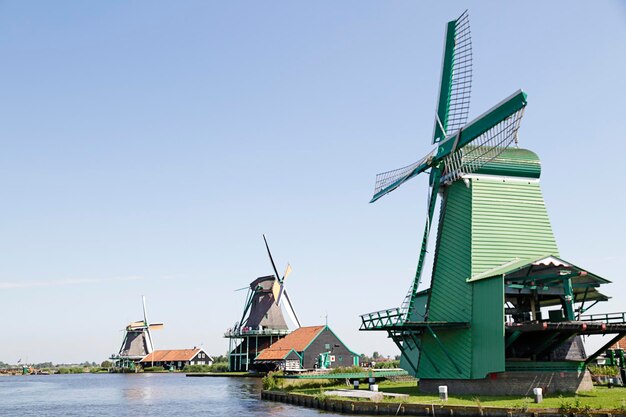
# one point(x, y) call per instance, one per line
point(289, 309)
point(279, 287)
point(149, 343)
point(145, 316)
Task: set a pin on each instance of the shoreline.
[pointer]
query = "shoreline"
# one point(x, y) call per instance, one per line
point(416, 409)
point(224, 375)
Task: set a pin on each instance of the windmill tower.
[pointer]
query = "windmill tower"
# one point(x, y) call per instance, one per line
point(137, 341)
point(501, 303)
point(262, 321)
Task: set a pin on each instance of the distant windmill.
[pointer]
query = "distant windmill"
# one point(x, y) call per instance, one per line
point(137, 341)
point(278, 287)
point(262, 321)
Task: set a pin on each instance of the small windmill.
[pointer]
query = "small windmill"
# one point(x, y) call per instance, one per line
point(137, 341)
point(262, 321)
point(265, 297)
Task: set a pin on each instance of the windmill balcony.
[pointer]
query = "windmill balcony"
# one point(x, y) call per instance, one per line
point(248, 331)
point(381, 319)
point(608, 318)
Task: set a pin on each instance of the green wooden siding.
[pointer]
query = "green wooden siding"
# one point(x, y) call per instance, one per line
point(488, 328)
point(451, 298)
point(509, 220)
point(485, 222)
point(410, 349)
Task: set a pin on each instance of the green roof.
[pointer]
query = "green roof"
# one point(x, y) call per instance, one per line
point(529, 269)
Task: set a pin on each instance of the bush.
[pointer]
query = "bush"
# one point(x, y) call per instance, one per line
point(347, 370)
point(219, 367)
point(270, 382)
point(198, 368)
point(387, 365)
point(154, 369)
point(599, 370)
point(73, 370)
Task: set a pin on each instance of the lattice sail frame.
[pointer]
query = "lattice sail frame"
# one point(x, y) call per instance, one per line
point(483, 149)
point(461, 83)
point(458, 100)
point(385, 179)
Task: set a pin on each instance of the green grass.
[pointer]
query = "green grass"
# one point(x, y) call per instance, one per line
point(601, 398)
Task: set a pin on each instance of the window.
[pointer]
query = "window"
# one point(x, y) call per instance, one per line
point(327, 346)
point(340, 358)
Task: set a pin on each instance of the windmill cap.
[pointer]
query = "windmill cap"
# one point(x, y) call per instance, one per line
point(265, 282)
point(513, 162)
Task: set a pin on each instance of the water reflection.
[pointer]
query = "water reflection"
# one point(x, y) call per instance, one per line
point(138, 395)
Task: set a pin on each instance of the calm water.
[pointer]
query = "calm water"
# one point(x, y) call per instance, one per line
point(137, 395)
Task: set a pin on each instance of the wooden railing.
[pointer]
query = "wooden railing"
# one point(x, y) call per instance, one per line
point(609, 318)
point(381, 319)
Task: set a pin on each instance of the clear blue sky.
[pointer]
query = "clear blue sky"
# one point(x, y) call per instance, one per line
point(146, 146)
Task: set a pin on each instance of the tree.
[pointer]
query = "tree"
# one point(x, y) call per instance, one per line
point(106, 364)
point(375, 355)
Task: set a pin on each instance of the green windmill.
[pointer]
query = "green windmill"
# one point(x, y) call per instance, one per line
point(501, 303)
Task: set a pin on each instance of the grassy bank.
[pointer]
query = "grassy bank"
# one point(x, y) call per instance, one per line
point(601, 398)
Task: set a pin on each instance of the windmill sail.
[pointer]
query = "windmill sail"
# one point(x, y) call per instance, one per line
point(452, 105)
point(483, 149)
point(461, 148)
point(456, 79)
point(289, 309)
point(390, 180)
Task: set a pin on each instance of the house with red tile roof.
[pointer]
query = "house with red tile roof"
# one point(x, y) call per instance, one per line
point(176, 358)
point(312, 347)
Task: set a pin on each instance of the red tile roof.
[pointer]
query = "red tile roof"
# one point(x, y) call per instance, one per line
point(171, 355)
point(273, 354)
point(620, 344)
point(297, 340)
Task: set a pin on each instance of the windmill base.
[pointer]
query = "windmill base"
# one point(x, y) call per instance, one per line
point(513, 383)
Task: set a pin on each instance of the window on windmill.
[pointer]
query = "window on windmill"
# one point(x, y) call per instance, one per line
point(327, 346)
point(266, 316)
point(340, 358)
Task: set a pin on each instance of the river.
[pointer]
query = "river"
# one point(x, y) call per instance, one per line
point(138, 395)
